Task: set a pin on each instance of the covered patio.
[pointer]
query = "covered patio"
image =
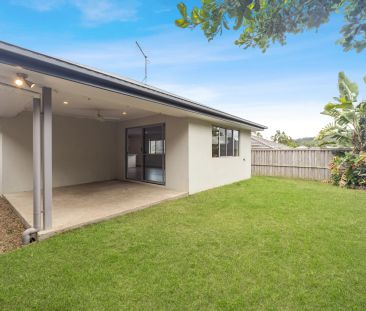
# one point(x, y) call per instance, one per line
point(78, 205)
point(72, 140)
point(66, 156)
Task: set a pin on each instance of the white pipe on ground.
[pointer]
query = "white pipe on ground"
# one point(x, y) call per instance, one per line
point(30, 235)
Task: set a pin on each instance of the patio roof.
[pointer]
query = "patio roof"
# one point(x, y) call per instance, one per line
point(18, 57)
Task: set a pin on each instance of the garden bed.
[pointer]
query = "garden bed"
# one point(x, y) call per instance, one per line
point(11, 227)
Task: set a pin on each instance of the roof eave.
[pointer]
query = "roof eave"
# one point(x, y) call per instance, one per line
point(29, 60)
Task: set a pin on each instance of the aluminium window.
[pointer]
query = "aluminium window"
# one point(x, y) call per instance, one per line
point(222, 142)
point(225, 142)
point(229, 143)
point(215, 142)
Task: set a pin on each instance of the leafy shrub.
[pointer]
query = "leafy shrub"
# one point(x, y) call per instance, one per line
point(349, 170)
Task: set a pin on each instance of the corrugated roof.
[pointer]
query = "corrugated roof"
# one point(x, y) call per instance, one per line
point(260, 143)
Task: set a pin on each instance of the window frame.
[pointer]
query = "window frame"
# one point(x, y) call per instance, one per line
point(237, 153)
point(143, 153)
point(225, 130)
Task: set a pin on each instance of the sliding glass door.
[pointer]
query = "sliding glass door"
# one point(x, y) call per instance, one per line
point(145, 158)
point(134, 157)
point(154, 154)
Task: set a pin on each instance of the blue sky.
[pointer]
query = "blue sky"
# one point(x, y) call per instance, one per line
point(285, 88)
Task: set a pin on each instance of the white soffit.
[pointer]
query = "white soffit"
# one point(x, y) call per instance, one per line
point(86, 101)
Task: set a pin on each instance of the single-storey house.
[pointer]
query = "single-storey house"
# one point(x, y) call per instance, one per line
point(78, 145)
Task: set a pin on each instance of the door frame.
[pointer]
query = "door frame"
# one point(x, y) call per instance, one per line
point(144, 153)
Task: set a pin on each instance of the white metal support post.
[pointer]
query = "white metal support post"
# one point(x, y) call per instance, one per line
point(47, 157)
point(37, 170)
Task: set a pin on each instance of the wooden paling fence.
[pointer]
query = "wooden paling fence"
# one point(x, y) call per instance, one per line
point(295, 163)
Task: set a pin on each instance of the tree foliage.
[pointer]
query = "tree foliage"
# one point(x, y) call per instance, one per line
point(258, 134)
point(283, 138)
point(348, 128)
point(349, 170)
point(307, 141)
point(263, 22)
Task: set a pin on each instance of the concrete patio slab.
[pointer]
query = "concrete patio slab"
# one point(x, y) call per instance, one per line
point(76, 206)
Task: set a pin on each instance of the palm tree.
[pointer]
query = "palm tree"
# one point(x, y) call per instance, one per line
point(348, 128)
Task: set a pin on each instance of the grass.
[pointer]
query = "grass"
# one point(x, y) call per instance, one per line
point(262, 244)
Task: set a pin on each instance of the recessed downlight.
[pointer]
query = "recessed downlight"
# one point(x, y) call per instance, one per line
point(66, 102)
point(19, 82)
point(124, 112)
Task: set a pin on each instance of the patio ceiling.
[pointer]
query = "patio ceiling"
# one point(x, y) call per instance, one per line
point(83, 100)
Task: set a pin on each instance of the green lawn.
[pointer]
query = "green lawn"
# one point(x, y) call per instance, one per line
point(262, 244)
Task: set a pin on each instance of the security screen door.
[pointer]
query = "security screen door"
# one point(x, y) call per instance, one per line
point(145, 158)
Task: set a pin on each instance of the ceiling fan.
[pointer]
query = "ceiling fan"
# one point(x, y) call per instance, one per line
point(100, 117)
point(102, 114)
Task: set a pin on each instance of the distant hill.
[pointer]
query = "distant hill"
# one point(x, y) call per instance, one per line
point(306, 141)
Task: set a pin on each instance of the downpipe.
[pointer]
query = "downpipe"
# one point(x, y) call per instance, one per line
point(30, 235)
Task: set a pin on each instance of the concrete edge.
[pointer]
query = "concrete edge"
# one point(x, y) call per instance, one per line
point(43, 235)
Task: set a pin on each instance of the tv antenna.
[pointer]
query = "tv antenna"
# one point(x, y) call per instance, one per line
point(146, 61)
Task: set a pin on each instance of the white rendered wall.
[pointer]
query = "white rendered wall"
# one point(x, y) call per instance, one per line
point(83, 151)
point(88, 150)
point(17, 165)
point(206, 172)
point(176, 142)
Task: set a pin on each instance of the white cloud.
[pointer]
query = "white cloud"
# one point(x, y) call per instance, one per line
point(105, 11)
point(168, 50)
point(93, 12)
point(40, 5)
point(302, 119)
point(298, 119)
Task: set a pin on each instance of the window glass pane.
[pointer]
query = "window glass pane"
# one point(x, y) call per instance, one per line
point(229, 142)
point(159, 146)
point(215, 141)
point(156, 147)
point(236, 143)
point(222, 142)
point(154, 154)
point(152, 146)
point(154, 142)
point(134, 153)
